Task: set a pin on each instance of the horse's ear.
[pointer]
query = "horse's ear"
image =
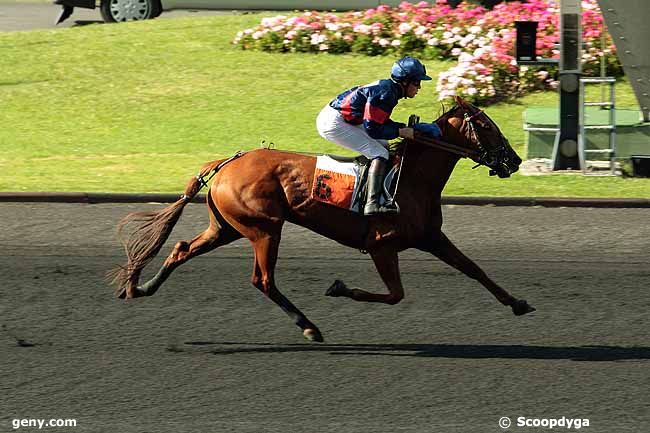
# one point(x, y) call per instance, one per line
point(459, 101)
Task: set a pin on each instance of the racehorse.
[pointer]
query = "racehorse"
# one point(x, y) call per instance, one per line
point(254, 193)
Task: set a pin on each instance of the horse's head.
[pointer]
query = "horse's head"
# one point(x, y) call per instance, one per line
point(477, 132)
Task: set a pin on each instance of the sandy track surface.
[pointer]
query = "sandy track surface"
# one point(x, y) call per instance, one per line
point(208, 353)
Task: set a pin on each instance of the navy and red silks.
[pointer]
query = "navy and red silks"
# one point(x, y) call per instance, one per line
point(371, 105)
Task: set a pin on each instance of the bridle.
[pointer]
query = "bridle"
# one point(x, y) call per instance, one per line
point(497, 156)
point(461, 151)
point(482, 153)
point(491, 157)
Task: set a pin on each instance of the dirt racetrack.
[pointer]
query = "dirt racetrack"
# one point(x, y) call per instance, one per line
point(208, 353)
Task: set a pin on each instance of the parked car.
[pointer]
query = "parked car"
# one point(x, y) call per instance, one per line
point(132, 10)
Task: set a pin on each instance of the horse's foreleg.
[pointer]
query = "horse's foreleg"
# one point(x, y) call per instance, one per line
point(387, 264)
point(183, 251)
point(446, 251)
point(266, 255)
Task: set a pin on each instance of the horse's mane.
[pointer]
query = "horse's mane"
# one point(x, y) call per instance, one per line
point(446, 112)
point(442, 110)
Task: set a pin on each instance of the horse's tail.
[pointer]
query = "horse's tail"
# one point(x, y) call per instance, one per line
point(153, 228)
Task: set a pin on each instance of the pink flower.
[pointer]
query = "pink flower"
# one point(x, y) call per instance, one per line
point(482, 40)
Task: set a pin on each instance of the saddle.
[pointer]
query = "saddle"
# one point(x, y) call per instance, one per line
point(342, 181)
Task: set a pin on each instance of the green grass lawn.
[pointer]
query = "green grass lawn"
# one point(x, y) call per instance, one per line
point(138, 107)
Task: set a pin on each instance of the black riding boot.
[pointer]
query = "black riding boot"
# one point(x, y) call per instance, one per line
point(376, 174)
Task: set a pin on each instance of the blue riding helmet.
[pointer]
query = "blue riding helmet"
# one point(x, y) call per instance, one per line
point(409, 69)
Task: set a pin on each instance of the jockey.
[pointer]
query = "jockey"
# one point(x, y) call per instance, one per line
point(359, 119)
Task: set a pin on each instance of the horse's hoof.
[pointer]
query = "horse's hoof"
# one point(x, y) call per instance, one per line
point(521, 307)
point(338, 288)
point(313, 335)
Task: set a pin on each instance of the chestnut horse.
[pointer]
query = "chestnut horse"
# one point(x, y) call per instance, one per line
point(254, 193)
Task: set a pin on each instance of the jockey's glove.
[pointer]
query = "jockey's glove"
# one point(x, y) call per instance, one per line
point(430, 129)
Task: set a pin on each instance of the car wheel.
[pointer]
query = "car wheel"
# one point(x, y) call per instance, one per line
point(156, 9)
point(127, 10)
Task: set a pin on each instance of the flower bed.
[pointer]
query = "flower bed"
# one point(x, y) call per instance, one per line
point(482, 41)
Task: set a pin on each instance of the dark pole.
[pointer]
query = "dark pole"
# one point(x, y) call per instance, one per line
point(565, 148)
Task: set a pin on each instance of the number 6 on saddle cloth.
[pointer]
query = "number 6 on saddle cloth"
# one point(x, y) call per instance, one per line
point(342, 182)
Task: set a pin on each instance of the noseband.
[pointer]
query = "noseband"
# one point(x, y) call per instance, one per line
point(493, 157)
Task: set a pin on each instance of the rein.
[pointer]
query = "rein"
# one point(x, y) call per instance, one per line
point(435, 143)
point(443, 145)
point(477, 155)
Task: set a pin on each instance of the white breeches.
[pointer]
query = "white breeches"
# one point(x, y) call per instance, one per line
point(332, 127)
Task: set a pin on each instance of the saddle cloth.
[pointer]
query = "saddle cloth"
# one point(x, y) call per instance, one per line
point(342, 184)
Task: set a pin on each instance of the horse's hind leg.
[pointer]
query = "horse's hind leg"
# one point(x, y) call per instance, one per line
point(213, 237)
point(387, 264)
point(266, 255)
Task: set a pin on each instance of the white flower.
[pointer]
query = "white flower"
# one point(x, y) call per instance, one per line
point(465, 57)
point(396, 43)
point(456, 51)
point(466, 40)
point(433, 42)
point(404, 28)
point(362, 28)
point(479, 52)
point(317, 38)
point(273, 21)
point(384, 42)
